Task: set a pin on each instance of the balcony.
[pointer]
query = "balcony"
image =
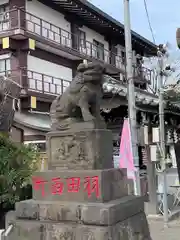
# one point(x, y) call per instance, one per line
point(45, 84)
point(50, 86)
point(18, 24)
point(37, 82)
point(61, 37)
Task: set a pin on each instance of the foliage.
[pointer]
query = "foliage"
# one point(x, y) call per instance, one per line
point(17, 163)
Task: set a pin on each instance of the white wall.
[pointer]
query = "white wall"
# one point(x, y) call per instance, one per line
point(48, 15)
point(92, 35)
point(39, 67)
point(5, 56)
point(48, 68)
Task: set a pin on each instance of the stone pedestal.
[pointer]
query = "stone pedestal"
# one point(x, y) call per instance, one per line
point(88, 149)
point(80, 185)
point(89, 203)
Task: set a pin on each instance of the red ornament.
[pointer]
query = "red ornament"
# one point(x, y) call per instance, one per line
point(39, 184)
point(91, 184)
point(73, 184)
point(57, 186)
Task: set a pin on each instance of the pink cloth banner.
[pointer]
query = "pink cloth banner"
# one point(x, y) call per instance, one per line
point(125, 155)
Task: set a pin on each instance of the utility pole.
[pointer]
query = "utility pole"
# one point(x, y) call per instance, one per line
point(160, 54)
point(131, 96)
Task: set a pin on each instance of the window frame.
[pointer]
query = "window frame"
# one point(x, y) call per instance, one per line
point(99, 49)
point(4, 8)
point(82, 41)
point(5, 62)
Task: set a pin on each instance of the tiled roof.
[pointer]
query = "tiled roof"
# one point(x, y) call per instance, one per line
point(117, 88)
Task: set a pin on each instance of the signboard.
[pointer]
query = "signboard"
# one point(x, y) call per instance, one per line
point(32, 44)
point(5, 43)
point(33, 102)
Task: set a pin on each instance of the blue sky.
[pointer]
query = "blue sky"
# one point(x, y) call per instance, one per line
point(164, 16)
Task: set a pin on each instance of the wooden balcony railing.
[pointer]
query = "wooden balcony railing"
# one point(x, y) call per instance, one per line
point(14, 19)
point(46, 84)
point(37, 82)
point(142, 74)
point(60, 36)
point(11, 20)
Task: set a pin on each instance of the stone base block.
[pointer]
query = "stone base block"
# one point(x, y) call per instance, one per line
point(88, 149)
point(90, 213)
point(80, 185)
point(134, 228)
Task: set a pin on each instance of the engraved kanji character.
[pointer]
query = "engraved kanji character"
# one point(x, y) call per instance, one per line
point(39, 184)
point(91, 184)
point(73, 184)
point(57, 186)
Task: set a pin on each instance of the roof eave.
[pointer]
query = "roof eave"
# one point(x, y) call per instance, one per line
point(113, 20)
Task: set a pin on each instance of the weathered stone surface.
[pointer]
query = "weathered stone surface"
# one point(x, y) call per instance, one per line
point(80, 103)
point(89, 149)
point(111, 185)
point(91, 213)
point(134, 228)
point(26, 230)
point(10, 217)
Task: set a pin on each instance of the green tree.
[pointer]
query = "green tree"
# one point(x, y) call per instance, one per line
point(17, 163)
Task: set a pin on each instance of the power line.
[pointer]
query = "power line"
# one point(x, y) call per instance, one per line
point(149, 22)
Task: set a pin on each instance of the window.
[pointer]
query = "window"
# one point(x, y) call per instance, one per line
point(98, 49)
point(40, 145)
point(4, 14)
point(4, 66)
point(82, 37)
point(123, 54)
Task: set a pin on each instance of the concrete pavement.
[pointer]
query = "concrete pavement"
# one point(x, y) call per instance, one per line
point(159, 232)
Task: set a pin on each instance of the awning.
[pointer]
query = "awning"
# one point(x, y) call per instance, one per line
point(35, 121)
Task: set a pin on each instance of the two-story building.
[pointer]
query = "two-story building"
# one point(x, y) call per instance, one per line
point(42, 43)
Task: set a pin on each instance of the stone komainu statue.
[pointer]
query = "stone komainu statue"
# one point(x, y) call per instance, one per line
point(79, 105)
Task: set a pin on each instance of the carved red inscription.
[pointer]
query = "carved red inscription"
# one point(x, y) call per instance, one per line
point(91, 184)
point(58, 186)
point(39, 185)
point(73, 184)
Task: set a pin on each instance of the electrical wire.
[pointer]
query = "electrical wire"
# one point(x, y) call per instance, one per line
point(149, 22)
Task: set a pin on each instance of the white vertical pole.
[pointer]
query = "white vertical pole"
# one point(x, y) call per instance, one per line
point(162, 136)
point(131, 96)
